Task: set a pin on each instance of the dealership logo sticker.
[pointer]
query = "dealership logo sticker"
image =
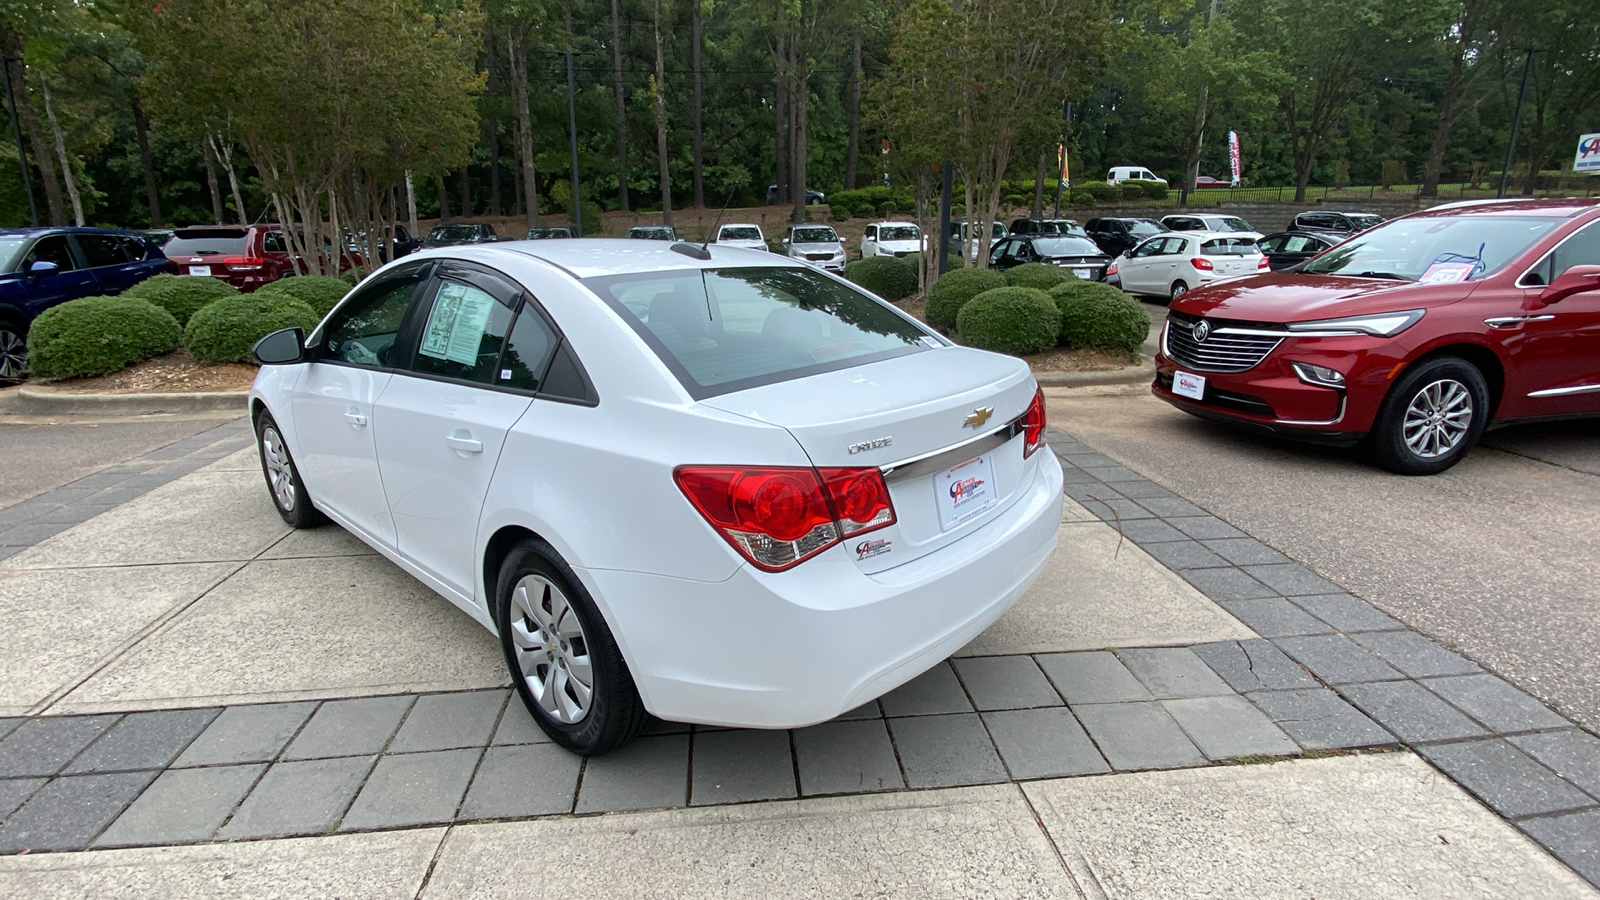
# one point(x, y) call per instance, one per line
point(1588, 158)
point(869, 549)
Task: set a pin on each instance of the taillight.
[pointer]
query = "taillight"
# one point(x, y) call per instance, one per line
point(1033, 424)
point(243, 263)
point(779, 517)
point(1111, 269)
point(1263, 263)
point(1201, 263)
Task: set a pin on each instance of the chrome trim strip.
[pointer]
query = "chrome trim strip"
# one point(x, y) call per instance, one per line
point(1566, 391)
point(939, 460)
point(1504, 321)
point(1255, 332)
point(1308, 422)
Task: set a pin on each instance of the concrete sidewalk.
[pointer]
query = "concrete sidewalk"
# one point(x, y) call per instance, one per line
point(1174, 710)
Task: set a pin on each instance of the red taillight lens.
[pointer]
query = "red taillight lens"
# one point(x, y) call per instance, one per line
point(1033, 424)
point(243, 263)
point(1201, 263)
point(1111, 269)
point(1263, 263)
point(778, 517)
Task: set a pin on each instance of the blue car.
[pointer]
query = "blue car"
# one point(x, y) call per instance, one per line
point(45, 267)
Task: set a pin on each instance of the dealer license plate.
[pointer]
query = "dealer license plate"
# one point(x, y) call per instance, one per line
point(199, 270)
point(1191, 386)
point(964, 492)
point(1083, 273)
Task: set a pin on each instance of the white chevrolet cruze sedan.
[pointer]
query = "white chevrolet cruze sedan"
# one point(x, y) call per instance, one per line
point(714, 485)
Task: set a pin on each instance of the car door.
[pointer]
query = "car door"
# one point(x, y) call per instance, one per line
point(869, 241)
point(353, 356)
point(442, 421)
point(1135, 269)
point(69, 281)
point(276, 252)
point(108, 262)
point(1003, 256)
point(1557, 364)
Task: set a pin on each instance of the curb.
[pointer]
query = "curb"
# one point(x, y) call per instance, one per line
point(1142, 373)
point(42, 400)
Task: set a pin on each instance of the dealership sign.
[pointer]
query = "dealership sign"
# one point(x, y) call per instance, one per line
point(1588, 159)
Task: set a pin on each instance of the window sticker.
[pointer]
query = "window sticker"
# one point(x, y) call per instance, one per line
point(1448, 272)
point(455, 326)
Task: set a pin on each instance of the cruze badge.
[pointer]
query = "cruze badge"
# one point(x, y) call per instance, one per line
point(978, 417)
point(874, 444)
point(1201, 331)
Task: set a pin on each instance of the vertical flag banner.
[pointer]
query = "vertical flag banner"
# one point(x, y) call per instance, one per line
point(1061, 161)
point(1233, 156)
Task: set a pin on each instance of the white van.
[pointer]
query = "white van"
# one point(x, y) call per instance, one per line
point(1119, 174)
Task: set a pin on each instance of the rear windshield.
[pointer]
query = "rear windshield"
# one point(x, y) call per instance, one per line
point(815, 236)
point(1229, 223)
point(1436, 249)
point(740, 233)
point(1363, 221)
point(898, 233)
point(1230, 247)
point(211, 240)
point(1144, 226)
point(1066, 246)
point(724, 330)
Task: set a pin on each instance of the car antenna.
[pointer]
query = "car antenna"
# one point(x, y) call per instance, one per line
point(703, 252)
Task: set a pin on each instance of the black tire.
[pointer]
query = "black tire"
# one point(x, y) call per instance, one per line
point(1428, 401)
point(13, 350)
point(289, 496)
point(614, 714)
point(1177, 290)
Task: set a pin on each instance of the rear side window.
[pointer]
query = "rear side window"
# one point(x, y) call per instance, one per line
point(102, 250)
point(272, 242)
point(722, 330)
point(527, 352)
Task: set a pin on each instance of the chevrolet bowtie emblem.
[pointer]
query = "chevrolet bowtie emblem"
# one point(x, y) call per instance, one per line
point(978, 417)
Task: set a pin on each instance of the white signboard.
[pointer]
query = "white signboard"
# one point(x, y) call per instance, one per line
point(1588, 159)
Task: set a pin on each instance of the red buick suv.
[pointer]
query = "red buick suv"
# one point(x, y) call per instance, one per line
point(1410, 338)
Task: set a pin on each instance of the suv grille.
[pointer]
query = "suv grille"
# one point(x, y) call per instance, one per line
point(1220, 351)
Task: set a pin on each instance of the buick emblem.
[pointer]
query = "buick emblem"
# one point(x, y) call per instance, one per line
point(1201, 331)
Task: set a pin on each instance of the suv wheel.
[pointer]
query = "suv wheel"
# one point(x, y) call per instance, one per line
point(1431, 418)
point(13, 351)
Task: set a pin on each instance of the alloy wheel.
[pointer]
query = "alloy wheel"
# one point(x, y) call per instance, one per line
point(552, 650)
point(1438, 419)
point(13, 354)
point(280, 473)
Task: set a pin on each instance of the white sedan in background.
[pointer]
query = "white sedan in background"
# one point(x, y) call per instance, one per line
point(710, 484)
point(1170, 265)
point(741, 235)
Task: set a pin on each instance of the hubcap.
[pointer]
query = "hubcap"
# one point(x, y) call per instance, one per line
point(552, 650)
point(1178, 290)
point(280, 474)
point(1438, 418)
point(13, 354)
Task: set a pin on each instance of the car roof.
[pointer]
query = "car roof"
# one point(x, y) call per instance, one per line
point(1564, 207)
point(738, 225)
point(594, 257)
point(891, 222)
point(65, 229)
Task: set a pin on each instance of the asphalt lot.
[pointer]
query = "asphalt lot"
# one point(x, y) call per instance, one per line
point(1496, 557)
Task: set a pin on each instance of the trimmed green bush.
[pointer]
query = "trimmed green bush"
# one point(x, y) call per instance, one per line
point(1043, 276)
point(886, 276)
point(1143, 190)
point(1099, 316)
point(592, 223)
point(1081, 198)
point(98, 336)
point(954, 289)
point(351, 278)
point(227, 329)
point(320, 292)
point(181, 295)
point(914, 260)
point(1010, 320)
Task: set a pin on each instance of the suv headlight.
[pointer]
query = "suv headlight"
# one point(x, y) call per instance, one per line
point(1377, 325)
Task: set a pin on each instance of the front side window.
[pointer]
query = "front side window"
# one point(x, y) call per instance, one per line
point(1148, 248)
point(722, 330)
point(362, 332)
point(1274, 244)
point(51, 249)
point(871, 233)
point(462, 337)
point(1581, 249)
point(1436, 249)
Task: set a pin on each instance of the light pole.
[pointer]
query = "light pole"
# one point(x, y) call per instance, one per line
point(16, 132)
point(1516, 122)
point(572, 130)
point(946, 182)
point(1066, 120)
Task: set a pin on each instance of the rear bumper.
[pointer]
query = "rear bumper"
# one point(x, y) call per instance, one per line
point(788, 649)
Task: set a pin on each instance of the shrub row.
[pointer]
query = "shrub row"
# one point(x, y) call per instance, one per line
point(99, 335)
point(1034, 307)
point(889, 277)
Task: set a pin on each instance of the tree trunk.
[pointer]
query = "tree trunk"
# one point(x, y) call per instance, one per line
point(1441, 134)
point(1038, 183)
point(780, 145)
point(444, 197)
point(224, 151)
point(30, 124)
point(466, 194)
point(661, 120)
point(799, 101)
point(141, 130)
point(622, 110)
point(852, 148)
point(492, 132)
point(699, 185)
point(211, 179)
point(61, 153)
point(519, 89)
point(411, 203)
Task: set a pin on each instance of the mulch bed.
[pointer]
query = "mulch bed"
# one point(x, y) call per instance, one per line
point(176, 372)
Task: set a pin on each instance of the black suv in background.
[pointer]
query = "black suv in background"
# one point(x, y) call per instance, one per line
point(1117, 236)
point(453, 233)
point(1338, 225)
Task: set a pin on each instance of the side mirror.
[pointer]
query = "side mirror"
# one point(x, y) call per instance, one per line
point(1575, 280)
point(43, 267)
point(281, 347)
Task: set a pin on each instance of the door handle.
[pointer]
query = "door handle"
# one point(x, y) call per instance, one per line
point(355, 418)
point(463, 444)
